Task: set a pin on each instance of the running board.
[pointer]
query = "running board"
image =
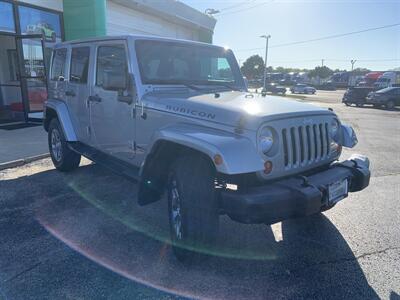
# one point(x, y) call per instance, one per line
point(114, 164)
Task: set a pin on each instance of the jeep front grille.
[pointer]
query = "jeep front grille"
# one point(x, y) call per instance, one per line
point(305, 145)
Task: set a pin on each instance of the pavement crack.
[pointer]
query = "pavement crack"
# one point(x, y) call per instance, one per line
point(376, 252)
point(23, 272)
point(342, 260)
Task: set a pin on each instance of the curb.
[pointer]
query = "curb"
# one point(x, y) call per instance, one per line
point(21, 162)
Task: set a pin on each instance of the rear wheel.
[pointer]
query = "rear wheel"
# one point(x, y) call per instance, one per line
point(64, 159)
point(390, 104)
point(192, 207)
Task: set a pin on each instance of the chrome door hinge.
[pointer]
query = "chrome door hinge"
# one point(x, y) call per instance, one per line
point(133, 112)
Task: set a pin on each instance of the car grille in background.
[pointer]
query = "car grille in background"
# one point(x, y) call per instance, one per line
point(305, 145)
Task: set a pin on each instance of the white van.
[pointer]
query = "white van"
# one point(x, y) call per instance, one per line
point(388, 79)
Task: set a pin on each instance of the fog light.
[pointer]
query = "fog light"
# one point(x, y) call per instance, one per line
point(267, 167)
point(218, 159)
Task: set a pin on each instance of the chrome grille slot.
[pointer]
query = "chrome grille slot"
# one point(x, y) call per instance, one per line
point(304, 145)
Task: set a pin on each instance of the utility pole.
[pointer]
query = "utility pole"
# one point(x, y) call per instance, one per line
point(266, 37)
point(322, 62)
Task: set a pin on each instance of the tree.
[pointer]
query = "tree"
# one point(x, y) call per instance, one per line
point(360, 71)
point(321, 72)
point(253, 67)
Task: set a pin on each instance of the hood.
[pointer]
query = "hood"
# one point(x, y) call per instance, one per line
point(232, 108)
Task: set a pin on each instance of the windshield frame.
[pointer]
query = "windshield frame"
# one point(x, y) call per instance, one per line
point(238, 82)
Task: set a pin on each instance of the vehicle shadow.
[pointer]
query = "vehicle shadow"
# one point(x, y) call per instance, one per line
point(94, 212)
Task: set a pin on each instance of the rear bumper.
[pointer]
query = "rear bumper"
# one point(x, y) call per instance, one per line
point(294, 197)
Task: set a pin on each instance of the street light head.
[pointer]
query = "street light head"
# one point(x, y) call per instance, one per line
point(265, 36)
point(211, 11)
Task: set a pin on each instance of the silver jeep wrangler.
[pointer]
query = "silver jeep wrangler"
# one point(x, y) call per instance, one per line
point(176, 116)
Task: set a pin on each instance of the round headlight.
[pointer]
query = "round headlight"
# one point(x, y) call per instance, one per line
point(266, 140)
point(335, 129)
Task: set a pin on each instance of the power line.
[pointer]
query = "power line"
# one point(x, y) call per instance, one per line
point(235, 5)
point(332, 59)
point(243, 9)
point(325, 37)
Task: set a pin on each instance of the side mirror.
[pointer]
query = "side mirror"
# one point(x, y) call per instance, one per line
point(132, 85)
point(114, 81)
point(349, 136)
point(128, 95)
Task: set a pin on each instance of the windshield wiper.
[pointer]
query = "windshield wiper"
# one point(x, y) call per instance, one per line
point(191, 86)
point(231, 87)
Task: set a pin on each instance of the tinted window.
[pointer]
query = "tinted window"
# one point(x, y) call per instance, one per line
point(58, 67)
point(79, 65)
point(6, 17)
point(110, 60)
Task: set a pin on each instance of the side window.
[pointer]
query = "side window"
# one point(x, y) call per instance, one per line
point(111, 63)
point(58, 66)
point(79, 65)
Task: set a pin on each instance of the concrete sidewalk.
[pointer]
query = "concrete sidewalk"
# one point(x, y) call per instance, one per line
point(22, 144)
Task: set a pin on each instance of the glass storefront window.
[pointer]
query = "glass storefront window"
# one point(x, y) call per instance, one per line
point(6, 17)
point(35, 21)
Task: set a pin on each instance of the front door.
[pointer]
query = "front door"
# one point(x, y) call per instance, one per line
point(32, 74)
point(111, 116)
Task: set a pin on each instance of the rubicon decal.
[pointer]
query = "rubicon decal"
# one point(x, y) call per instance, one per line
point(191, 112)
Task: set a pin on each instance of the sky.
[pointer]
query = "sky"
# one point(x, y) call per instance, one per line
point(241, 22)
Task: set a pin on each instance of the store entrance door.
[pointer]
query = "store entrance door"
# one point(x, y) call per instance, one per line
point(32, 65)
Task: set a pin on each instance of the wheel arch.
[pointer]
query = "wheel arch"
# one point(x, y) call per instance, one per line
point(177, 140)
point(155, 170)
point(58, 109)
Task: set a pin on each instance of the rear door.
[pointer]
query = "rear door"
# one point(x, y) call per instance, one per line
point(77, 91)
point(112, 118)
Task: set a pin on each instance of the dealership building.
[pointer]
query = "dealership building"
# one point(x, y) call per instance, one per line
point(30, 28)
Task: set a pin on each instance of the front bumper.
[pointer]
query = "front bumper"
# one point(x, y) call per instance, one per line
point(295, 196)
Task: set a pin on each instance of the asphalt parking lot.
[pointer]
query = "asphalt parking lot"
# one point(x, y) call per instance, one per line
point(81, 236)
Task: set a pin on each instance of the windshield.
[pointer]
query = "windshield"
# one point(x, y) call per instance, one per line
point(385, 90)
point(383, 79)
point(162, 62)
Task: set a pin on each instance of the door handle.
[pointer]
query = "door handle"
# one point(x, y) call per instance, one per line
point(70, 93)
point(95, 98)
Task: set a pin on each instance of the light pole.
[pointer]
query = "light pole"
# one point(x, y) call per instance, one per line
point(353, 61)
point(266, 37)
point(211, 11)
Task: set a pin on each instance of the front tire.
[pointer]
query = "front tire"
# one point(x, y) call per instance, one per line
point(192, 207)
point(64, 159)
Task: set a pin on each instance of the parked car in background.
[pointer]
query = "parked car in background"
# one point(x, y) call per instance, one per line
point(43, 28)
point(388, 79)
point(388, 97)
point(275, 89)
point(327, 86)
point(302, 89)
point(356, 95)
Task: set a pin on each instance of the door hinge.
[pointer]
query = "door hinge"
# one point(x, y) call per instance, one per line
point(132, 146)
point(133, 112)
